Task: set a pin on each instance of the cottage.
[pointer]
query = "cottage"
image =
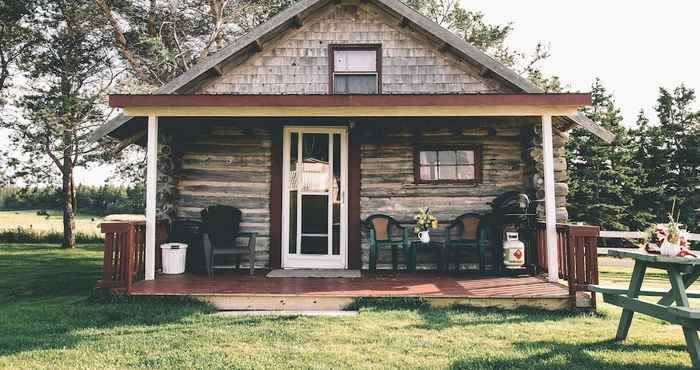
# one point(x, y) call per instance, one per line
point(333, 111)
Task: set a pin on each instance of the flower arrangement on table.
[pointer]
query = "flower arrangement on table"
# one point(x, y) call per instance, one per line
point(424, 222)
point(668, 239)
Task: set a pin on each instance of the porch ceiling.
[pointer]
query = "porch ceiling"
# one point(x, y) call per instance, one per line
point(133, 132)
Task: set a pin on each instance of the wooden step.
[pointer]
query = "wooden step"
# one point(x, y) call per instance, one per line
point(277, 303)
point(261, 302)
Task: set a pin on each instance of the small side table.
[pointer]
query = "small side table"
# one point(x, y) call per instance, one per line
point(438, 247)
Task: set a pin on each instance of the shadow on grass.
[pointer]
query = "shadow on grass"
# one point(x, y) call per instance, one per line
point(47, 300)
point(45, 270)
point(442, 318)
point(55, 323)
point(527, 354)
point(559, 355)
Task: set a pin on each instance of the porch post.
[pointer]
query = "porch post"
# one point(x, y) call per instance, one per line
point(549, 199)
point(151, 178)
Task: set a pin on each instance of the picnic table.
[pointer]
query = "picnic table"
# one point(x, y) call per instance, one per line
point(682, 272)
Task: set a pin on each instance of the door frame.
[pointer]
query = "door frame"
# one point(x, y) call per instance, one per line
point(289, 261)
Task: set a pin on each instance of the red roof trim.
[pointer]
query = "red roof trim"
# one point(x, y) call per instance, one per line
point(573, 99)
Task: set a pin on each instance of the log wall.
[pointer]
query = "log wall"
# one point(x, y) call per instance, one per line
point(229, 165)
point(535, 164)
point(388, 176)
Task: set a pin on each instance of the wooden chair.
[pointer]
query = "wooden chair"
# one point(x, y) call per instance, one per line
point(381, 234)
point(468, 231)
point(220, 230)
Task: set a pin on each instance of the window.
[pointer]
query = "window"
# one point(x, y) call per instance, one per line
point(447, 164)
point(355, 69)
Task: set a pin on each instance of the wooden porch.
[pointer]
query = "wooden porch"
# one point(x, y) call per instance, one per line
point(124, 270)
point(233, 290)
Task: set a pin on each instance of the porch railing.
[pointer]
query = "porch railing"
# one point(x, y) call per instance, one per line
point(124, 260)
point(578, 256)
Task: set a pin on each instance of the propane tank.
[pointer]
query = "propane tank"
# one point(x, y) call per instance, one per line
point(513, 251)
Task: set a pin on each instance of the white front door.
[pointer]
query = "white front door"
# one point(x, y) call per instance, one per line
point(314, 206)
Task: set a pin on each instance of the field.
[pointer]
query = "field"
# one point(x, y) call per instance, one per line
point(52, 318)
point(28, 226)
point(53, 222)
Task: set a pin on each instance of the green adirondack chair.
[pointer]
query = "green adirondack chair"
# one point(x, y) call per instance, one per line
point(468, 231)
point(382, 234)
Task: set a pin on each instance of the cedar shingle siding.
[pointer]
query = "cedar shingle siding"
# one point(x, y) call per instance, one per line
point(298, 62)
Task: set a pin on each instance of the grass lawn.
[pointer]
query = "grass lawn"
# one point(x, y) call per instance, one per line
point(50, 318)
point(612, 273)
point(87, 224)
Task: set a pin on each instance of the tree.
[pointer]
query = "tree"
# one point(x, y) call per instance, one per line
point(678, 140)
point(4, 170)
point(71, 68)
point(15, 38)
point(160, 40)
point(603, 177)
point(490, 38)
point(649, 155)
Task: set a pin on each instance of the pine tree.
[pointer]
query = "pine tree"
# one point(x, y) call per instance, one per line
point(648, 154)
point(603, 180)
point(678, 143)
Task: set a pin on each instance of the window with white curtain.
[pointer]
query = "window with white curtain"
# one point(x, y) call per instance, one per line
point(355, 69)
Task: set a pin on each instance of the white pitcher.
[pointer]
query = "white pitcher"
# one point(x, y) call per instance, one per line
point(424, 236)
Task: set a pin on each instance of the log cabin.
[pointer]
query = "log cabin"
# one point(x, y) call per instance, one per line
point(387, 112)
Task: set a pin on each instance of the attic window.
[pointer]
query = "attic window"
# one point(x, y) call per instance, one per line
point(355, 69)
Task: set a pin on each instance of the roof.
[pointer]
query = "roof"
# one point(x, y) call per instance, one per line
point(295, 14)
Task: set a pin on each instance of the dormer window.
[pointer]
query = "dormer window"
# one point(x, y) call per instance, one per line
point(355, 69)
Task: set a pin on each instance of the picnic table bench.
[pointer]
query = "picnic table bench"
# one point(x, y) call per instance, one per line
point(682, 272)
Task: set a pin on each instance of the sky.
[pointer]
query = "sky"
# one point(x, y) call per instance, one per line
point(634, 47)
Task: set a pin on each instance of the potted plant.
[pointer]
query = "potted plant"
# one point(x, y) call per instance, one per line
point(424, 222)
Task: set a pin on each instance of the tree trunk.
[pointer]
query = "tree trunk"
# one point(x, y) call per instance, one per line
point(152, 26)
point(68, 211)
point(73, 198)
point(120, 40)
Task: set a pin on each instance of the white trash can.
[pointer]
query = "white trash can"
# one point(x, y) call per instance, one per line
point(174, 256)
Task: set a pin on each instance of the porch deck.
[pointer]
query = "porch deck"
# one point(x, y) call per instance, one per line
point(236, 291)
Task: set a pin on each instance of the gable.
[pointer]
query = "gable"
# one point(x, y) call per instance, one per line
point(206, 76)
point(297, 62)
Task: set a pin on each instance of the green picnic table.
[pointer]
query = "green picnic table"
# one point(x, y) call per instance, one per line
point(682, 272)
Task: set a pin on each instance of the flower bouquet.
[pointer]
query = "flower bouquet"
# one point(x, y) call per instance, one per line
point(424, 222)
point(668, 239)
